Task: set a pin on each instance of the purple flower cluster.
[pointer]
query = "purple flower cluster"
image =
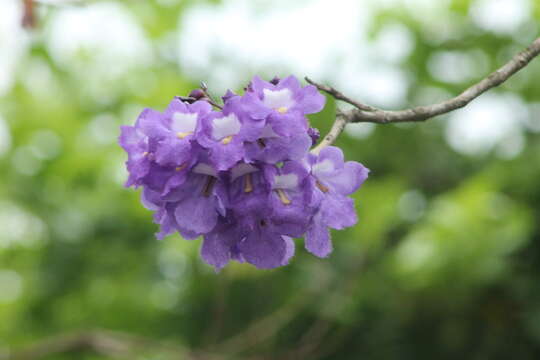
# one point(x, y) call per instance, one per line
point(243, 176)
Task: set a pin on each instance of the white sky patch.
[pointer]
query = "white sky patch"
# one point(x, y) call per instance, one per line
point(13, 42)
point(457, 66)
point(489, 121)
point(500, 16)
point(226, 44)
point(283, 33)
point(382, 86)
point(387, 39)
point(100, 38)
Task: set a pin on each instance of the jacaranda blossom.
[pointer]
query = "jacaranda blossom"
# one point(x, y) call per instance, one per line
point(242, 175)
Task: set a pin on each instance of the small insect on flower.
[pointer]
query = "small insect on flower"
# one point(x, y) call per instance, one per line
point(242, 175)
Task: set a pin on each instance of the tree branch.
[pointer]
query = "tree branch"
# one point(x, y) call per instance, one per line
point(369, 114)
point(106, 343)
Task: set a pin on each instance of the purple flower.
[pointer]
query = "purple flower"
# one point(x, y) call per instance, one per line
point(242, 177)
point(174, 131)
point(269, 203)
point(136, 144)
point(221, 245)
point(334, 179)
point(272, 148)
point(287, 102)
point(280, 106)
point(199, 201)
point(291, 198)
point(314, 134)
point(224, 132)
point(249, 194)
point(265, 247)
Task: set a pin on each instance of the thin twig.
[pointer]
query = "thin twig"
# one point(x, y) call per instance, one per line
point(210, 99)
point(337, 128)
point(368, 114)
point(339, 96)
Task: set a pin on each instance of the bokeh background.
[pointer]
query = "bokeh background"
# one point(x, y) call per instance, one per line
point(444, 262)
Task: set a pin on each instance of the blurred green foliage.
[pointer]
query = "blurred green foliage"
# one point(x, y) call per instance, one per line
point(444, 262)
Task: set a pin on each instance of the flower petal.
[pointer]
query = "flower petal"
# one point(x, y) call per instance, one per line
point(278, 149)
point(266, 250)
point(217, 246)
point(278, 99)
point(197, 213)
point(291, 123)
point(172, 151)
point(317, 238)
point(310, 100)
point(151, 123)
point(291, 83)
point(338, 212)
point(348, 179)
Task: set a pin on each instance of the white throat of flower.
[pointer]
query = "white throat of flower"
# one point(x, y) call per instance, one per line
point(246, 171)
point(224, 128)
point(319, 170)
point(211, 177)
point(183, 124)
point(283, 183)
point(279, 100)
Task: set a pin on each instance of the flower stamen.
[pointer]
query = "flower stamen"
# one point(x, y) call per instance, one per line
point(282, 110)
point(181, 167)
point(182, 134)
point(227, 140)
point(283, 197)
point(207, 190)
point(321, 187)
point(248, 183)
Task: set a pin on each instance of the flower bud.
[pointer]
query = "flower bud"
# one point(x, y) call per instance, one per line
point(229, 94)
point(197, 94)
point(314, 134)
point(275, 80)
